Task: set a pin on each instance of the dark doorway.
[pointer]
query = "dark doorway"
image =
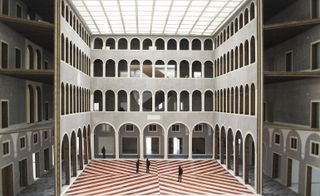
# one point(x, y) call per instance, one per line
point(7, 181)
point(4, 114)
point(198, 145)
point(23, 173)
point(315, 115)
point(276, 166)
point(46, 154)
point(289, 61)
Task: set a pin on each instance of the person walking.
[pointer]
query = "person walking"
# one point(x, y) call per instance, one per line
point(148, 165)
point(180, 172)
point(103, 151)
point(137, 165)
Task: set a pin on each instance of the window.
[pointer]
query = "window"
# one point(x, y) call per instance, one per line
point(45, 135)
point(314, 150)
point(315, 55)
point(22, 142)
point(4, 114)
point(289, 61)
point(18, 11)
point(5, 7)
point(198, 128)
point(129, 128)
point(4, 55)
point(46, 111)
point(46, 64)
point(293, 143)
point(6, 148)
point(18, 58)
point(315, 6)
point(315, 115)
point(277, 139)
point(152, 128)
point(35, 138)
point(175, 128)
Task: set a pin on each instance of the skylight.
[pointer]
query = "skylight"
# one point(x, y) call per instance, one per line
point(164, 17)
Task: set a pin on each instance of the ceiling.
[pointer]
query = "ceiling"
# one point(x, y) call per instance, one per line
point(155, 17)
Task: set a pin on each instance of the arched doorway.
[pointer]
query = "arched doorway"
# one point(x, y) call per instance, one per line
point(202, 139)
point(80, 150)
point(217, 142)
point(238, 154)
point(85, 149)
point(129, 141)
point(104, 137)
point(153, 137)
point(223, 146)
point(249, 161)
point(74, 154)
point(89, 143)
point(230, 149)
point(178, 141)
point(65, 161)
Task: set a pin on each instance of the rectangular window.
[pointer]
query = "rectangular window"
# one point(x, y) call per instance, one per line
point(35, 138)
point(4, 114)
point(45, 135)
point(293, 143)
point(4, 55)
point(18, 11)
point(129, 128)
point(315, 55)
point(289, 61)
point(175, 128)
point(315, 6)
point(18, 58)
point(152, 128)
point(315, 148)
point(5, 7)
point(315, 115)
point(277, 138)
point(198, 128)
point(22, 142)
point(6, 148)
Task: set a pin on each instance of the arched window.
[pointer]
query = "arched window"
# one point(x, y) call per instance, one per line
point(246, 100)
point(236, 25)
point(236, 58)
point(231, 28)
point(246, 16)
point(111, 44)
point(97, 68)
point(253, 99)
point(172, 44)
point(67, 99)
point(135, 69)
point(97, 101)
point(196, 44)
point(62, 47)
point(39, 103)
point(196, 101)
point(147, 43)
point(208, 45)
point(135, 44)
point(252, 50)
point(159, 69)
point(252, 12)
point(62, 9)
point(172, 101)
point(172, 69)
point(208, 69)
point(228, 62)
point(160, 44)
point(228, 32)
point(67, 50)
point(236, 102)
point(159, 101)
point(241, 21)
point(232, 100)
point(147, 69)
point(122, 101)
point(184, 101)
point(110, 100)
point(147, 101)
point(241, 99)
point(246, 53)
point(38, 59)
point(62, 100)
point(122, 44)
point(134, 101)
point(208, 101)
point(241, 55)
point(98, 43)
point(228, 100)
point(123, 68)
point(110, 68)
point(67, 13)
point(184, 44)
point(29, 58)
point(231, 61)
point(196, 70)
point(184, 69)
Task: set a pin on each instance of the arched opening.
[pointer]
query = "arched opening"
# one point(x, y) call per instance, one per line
point(253, 99)
point(135, 69)
point(80, 151)
point(196, 44)
point(246, 52)
point(230, 153)
point(159, 69)
point(184, 101)
point(236, 25)
point(196, 101)
point(123, 69)
point(216, 142)
point(98, 68)
point(208, 101)
point(159, 101)
point(147, 43)
point(196, 70)
point(246, 100)
point(208, 69)
point(228, 62)
point(147, 101)
point(74, 154)
point(252, 12)
point(172, 101)
point(110, 44)
point(241, 55)
point(231, 61)
point(31, 104)
point(110, 100)
point(62, 104)
point(98, 43)
point(202, 141)
point(236, 58)
point(184, 69)
point(153, 136)
point(85, 149)
point(38, 59)
point(246, 16)
point(147, 69)
point(29, 58)
point(184, 44)
point(65, 161)
point(223, 146)
point(134, 101)
point(159, 44)
point(110, 68)
point(241, 21)
point(97, 101)
point(104, 141)
point(39, 104)
point(172, 69)
point(172, 44)
point(129, 141)
point(238, 170)
point(232, 100)
point(135, 44)
point(62, 47)
point(231, 28)
point(122, 44)
point(122, 101)
point(252, 50)
point(62, 9)
point(178, 141)
point(249, 161)
point(241, 100)
point(236, 102)
point(208, 45)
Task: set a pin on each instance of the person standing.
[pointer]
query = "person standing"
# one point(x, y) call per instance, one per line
point(148, 165)
point(103, 151)
point(180, 172)
point(137, 165)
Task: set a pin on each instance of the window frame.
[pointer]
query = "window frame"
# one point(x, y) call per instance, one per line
point(25, 142)
point(310, 151)
point(37, 142)
point(16, 10)
point(8, 54)
point(9, 150)
point(8, 8)
point(285, 60)
point(198, 131)
point(45, 133)
point(274, 139)
point(291, 139)
point(129, 130)
point(173, 129)
point(152, 126)
point(311, 55)
point(8, 101)
point(15, 50)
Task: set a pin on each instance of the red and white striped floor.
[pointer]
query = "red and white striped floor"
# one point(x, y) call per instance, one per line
point(118, 177)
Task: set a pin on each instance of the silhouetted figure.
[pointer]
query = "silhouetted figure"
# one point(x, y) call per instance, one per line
point(103, 151)
point(180, 172)
point(148, 165)
point(137, 165)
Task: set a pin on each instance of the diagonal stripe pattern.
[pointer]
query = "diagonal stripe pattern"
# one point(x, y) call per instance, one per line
point(119, 177)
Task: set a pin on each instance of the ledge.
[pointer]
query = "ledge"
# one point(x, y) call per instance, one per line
point(281, 76)
point(43, 76)
point(291, 127)
point(37, 126)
